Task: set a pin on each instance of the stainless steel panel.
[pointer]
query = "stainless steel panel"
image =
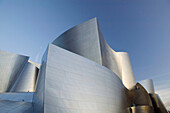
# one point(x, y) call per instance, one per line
point(118, 62)
point(10, 67)
point(83, 40)
point(142, 109)
point(15, 107)
point(140, 96)
point(26, 80)
point(148, 85)
point(77, 84)
point(38, 98)
point(25, 97)
point(86, 39)
point(159, 104)
point(82, 74)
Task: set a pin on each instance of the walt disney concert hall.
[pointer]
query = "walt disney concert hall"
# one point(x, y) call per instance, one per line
point(79, 73)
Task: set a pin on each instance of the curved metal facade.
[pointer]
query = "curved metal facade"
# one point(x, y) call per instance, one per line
point(76, 84)
point(141, 97)
point(148, 85)
point(156, 101)
point(83, 40)
point(142, 109)
point(80, 73)
point(16, 73)
point(86, 39)
point(10, 67)
point(26, 80)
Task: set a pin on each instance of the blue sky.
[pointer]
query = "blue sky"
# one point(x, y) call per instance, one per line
point(139, 27)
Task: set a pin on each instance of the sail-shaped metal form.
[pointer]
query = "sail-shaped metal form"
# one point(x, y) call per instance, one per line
point(86, 39)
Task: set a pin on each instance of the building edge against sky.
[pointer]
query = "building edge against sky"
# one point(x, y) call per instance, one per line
point(79, 73)
point(86, 39)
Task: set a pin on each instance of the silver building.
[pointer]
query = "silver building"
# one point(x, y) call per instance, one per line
point(79, 73)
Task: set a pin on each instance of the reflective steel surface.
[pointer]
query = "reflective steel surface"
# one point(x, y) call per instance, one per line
point(76, 84)
point(13, 96)
point(15, 107)
point(148, 85)
point(79, 73)
point(142, 109)
point(26, 80)
point(86, 39)
point(10, 67)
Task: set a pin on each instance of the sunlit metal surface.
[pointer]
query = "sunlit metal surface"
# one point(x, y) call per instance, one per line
point(76, 84)
point(35, 64)
point(86, 39)
point(26, 80)
point(10, 67)
point(80, 73)
point(148, 85)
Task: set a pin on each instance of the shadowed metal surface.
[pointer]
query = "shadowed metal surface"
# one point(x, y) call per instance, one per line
point(161, 85)
point(158, 105)
point(161, 105)
point(26, 80)
point(86, 39)
point(15, 107)
point(26, 97)
point(142, 109)
point(141, 97)
point(10, 67)
point(156, 101)
point(75, 84)
point(38, 98)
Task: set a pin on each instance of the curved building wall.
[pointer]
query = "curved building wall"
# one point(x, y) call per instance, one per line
point(86, 39)
point(110, 59)
point(142, 109)
point(161, 105)
point(141, 97)
point(148, 85)
point(118, 62)
point(76, 84)
point(10, 67)
point(35, 64)
point(157, 102)
point(38, 97)
point(128, 78)
point(26, 80)
point(13, 96)
point(83, 40)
